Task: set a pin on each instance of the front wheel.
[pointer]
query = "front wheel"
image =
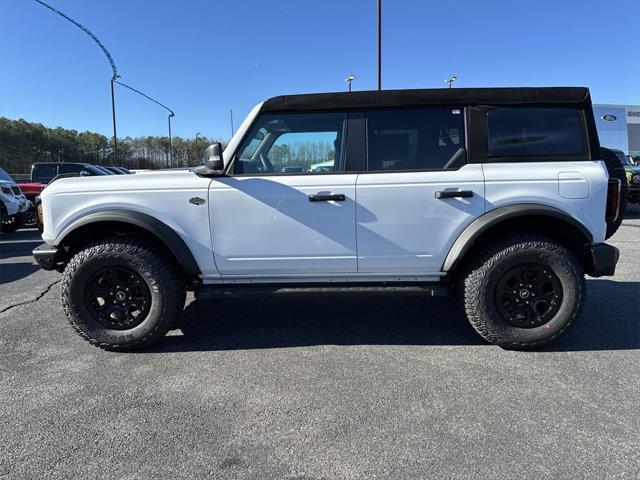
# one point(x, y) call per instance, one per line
point(524, 292)
point(119, 294)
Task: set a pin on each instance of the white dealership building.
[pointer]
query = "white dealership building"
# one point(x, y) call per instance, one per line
point(619, 127)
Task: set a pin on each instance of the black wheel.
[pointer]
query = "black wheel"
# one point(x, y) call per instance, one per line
point(119, 294)
point(32, 216)
point(524, 292)
point(616, 170)
point(11, 223)
point(3, 214)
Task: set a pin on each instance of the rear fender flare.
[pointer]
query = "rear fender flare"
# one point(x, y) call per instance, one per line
point(492, 218)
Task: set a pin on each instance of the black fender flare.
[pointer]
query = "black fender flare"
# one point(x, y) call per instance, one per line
point(483, 223)
point(162, 231)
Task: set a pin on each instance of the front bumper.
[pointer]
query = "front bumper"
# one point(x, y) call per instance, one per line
point(604, 258)
point(47, 256)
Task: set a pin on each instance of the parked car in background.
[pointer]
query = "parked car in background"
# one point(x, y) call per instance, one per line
point(44, 172)
point(119, 170)
point(31, 191)
point(105, 170)
point(632, 171)
point(14, 206)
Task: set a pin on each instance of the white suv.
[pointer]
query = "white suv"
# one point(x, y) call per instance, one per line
point(499, 193)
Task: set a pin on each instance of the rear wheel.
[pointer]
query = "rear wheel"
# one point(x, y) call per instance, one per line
point(524, 292)
point(119, 294)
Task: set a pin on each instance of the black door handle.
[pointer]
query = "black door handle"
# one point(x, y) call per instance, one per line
point(327, 197)
point(454, 194)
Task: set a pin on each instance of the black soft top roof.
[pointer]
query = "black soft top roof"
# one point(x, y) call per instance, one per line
point(426, 97)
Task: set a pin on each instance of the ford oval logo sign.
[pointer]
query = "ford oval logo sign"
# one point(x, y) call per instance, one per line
point(609, 118)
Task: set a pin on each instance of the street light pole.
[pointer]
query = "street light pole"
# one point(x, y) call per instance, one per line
point(350, 79)
point(379, 44)
point(171, 114)
point(231, 112)
point(114, 160)
point(170, 141)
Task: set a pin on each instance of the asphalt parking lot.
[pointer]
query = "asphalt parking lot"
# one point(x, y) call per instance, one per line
point(319, 388)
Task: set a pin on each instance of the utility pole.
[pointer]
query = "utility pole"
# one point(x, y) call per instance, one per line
point(379, 44)
point(170, 141)
point(114, 159)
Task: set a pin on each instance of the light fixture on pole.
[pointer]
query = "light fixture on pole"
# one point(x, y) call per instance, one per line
point(114, 75)
point(451, 80)
point(350, 79)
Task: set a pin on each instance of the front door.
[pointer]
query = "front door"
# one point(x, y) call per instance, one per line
point(418, 193)
point(287, 208)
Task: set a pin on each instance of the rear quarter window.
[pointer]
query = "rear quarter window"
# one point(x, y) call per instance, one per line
point(535, 132)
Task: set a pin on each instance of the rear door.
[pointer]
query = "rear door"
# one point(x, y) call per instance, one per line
point(287, 207)
point(418, 192)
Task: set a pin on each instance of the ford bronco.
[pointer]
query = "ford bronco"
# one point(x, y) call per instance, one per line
point(501, 194)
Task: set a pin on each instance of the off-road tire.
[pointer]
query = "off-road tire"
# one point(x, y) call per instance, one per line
point(163, 279)
point(491, 264)
point(616, 170)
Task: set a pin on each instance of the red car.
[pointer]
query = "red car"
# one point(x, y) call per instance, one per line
point(31, 191)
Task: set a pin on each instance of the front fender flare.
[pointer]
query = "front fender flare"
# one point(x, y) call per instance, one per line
point(483, 223)
point(151, 224)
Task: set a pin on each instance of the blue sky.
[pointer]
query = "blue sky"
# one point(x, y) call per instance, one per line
point(203, 58)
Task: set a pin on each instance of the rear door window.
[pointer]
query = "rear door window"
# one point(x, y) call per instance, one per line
point(535, 132)
point(413, 139)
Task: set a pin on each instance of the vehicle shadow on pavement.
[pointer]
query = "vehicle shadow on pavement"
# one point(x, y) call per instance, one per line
point(16, 271)
point(249, 323)
point(610, 321)
point(19, 244)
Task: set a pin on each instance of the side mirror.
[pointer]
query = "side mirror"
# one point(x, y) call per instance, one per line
point(212, 157)
point(84, 173)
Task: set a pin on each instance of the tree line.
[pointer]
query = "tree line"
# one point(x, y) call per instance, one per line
point(23, 143)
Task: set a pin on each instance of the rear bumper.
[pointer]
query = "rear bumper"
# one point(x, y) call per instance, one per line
point(47, 256)
point(604, 258)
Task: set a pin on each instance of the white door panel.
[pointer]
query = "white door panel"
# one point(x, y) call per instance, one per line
point(267, 225)
point(403, 228)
